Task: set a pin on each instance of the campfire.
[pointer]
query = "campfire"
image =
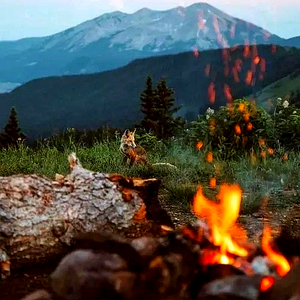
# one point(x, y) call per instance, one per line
point(211, 259)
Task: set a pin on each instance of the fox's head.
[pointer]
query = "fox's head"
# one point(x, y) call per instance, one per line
point(128, 138)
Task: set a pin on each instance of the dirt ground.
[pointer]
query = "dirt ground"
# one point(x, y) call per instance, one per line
point(26, 281)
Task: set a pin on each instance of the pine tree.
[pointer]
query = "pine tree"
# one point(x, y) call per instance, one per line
point(12, 132)
point(148, 106)
point(167, 123)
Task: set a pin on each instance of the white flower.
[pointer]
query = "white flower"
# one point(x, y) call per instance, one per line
point(285, 104)
point(280, 112)
point(279, 99)
point(210, 111)
point(207, 117)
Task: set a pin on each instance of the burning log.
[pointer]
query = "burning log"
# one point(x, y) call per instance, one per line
point(39, 218)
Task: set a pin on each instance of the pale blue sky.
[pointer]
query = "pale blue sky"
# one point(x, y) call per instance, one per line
point(26, 18)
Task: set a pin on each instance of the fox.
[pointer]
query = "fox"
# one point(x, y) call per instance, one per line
point(135, 154)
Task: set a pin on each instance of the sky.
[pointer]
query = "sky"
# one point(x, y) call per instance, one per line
point(31, 18)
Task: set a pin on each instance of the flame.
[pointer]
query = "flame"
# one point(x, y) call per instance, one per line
point(241, 107)
point(270, 151)
point(211, 93)
point(227, 93)
point(195, 51)
point(237, 129)
point(213, 183)
point(246, 51)
point(221, 218)
point(199, 145)
point(249, 77)
point(261, 142)
point(282, 265)
point(256, 60)
point(246, 117)
point(209, 157)
point(266, 283)
point(262, 65)
point(249, 126)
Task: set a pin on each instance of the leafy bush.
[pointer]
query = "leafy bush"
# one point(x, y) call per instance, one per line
point(287, 124)
point(233, 128)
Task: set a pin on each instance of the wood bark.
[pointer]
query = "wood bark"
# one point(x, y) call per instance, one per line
point(39, 217)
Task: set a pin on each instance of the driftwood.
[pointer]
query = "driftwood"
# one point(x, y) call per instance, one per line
point(39, 217)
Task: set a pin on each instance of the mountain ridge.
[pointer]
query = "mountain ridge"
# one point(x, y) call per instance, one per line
point(114, 39)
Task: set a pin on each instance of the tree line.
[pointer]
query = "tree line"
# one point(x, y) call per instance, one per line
point(157, 106)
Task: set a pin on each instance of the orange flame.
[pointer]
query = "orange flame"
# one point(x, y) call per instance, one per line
point(262, 65)
point(249, 126)
point(237, 129)
point(209, 157)
point(195, 51)
point(211, 93)
point(199, 145)
point(282, 265)
point(256, 60)
point(227, 92)
point(235, 74)
point(248, 77)
point(213, 183)
point(221, 218)
point(246, 117)
point(266, 283)
point(241, 107)
point(246, 51)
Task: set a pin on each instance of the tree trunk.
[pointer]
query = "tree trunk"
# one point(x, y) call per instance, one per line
point(39, 217)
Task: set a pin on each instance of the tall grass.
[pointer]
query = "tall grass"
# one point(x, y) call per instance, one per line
point(270, 176)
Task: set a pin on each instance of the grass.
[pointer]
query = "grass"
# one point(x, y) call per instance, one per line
point(281, 88)
point(268, 177)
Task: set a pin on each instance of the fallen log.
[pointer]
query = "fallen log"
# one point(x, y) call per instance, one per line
point(39, 217)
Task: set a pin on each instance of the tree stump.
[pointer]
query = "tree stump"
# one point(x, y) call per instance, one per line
point(39, 217)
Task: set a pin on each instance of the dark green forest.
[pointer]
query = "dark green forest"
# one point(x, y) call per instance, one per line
point(112, 98)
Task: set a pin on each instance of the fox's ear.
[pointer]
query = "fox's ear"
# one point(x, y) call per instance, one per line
point(134, 130)
point(126, 132)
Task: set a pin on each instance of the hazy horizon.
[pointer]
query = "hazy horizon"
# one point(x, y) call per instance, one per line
point(31, 18)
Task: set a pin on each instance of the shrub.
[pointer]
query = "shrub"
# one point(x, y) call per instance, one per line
point(233, 128)
point(287, 124)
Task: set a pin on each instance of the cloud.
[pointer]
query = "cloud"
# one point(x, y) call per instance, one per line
point(117, 4)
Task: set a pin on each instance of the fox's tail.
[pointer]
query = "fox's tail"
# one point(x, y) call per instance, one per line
point(164, 164)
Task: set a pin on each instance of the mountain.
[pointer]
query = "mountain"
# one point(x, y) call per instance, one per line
point(293, 42)
point(114, 39)
point(112, 97)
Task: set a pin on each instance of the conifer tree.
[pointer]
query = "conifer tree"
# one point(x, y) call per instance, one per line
point(12, 132)
point(148, 106)
point(167, 123)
